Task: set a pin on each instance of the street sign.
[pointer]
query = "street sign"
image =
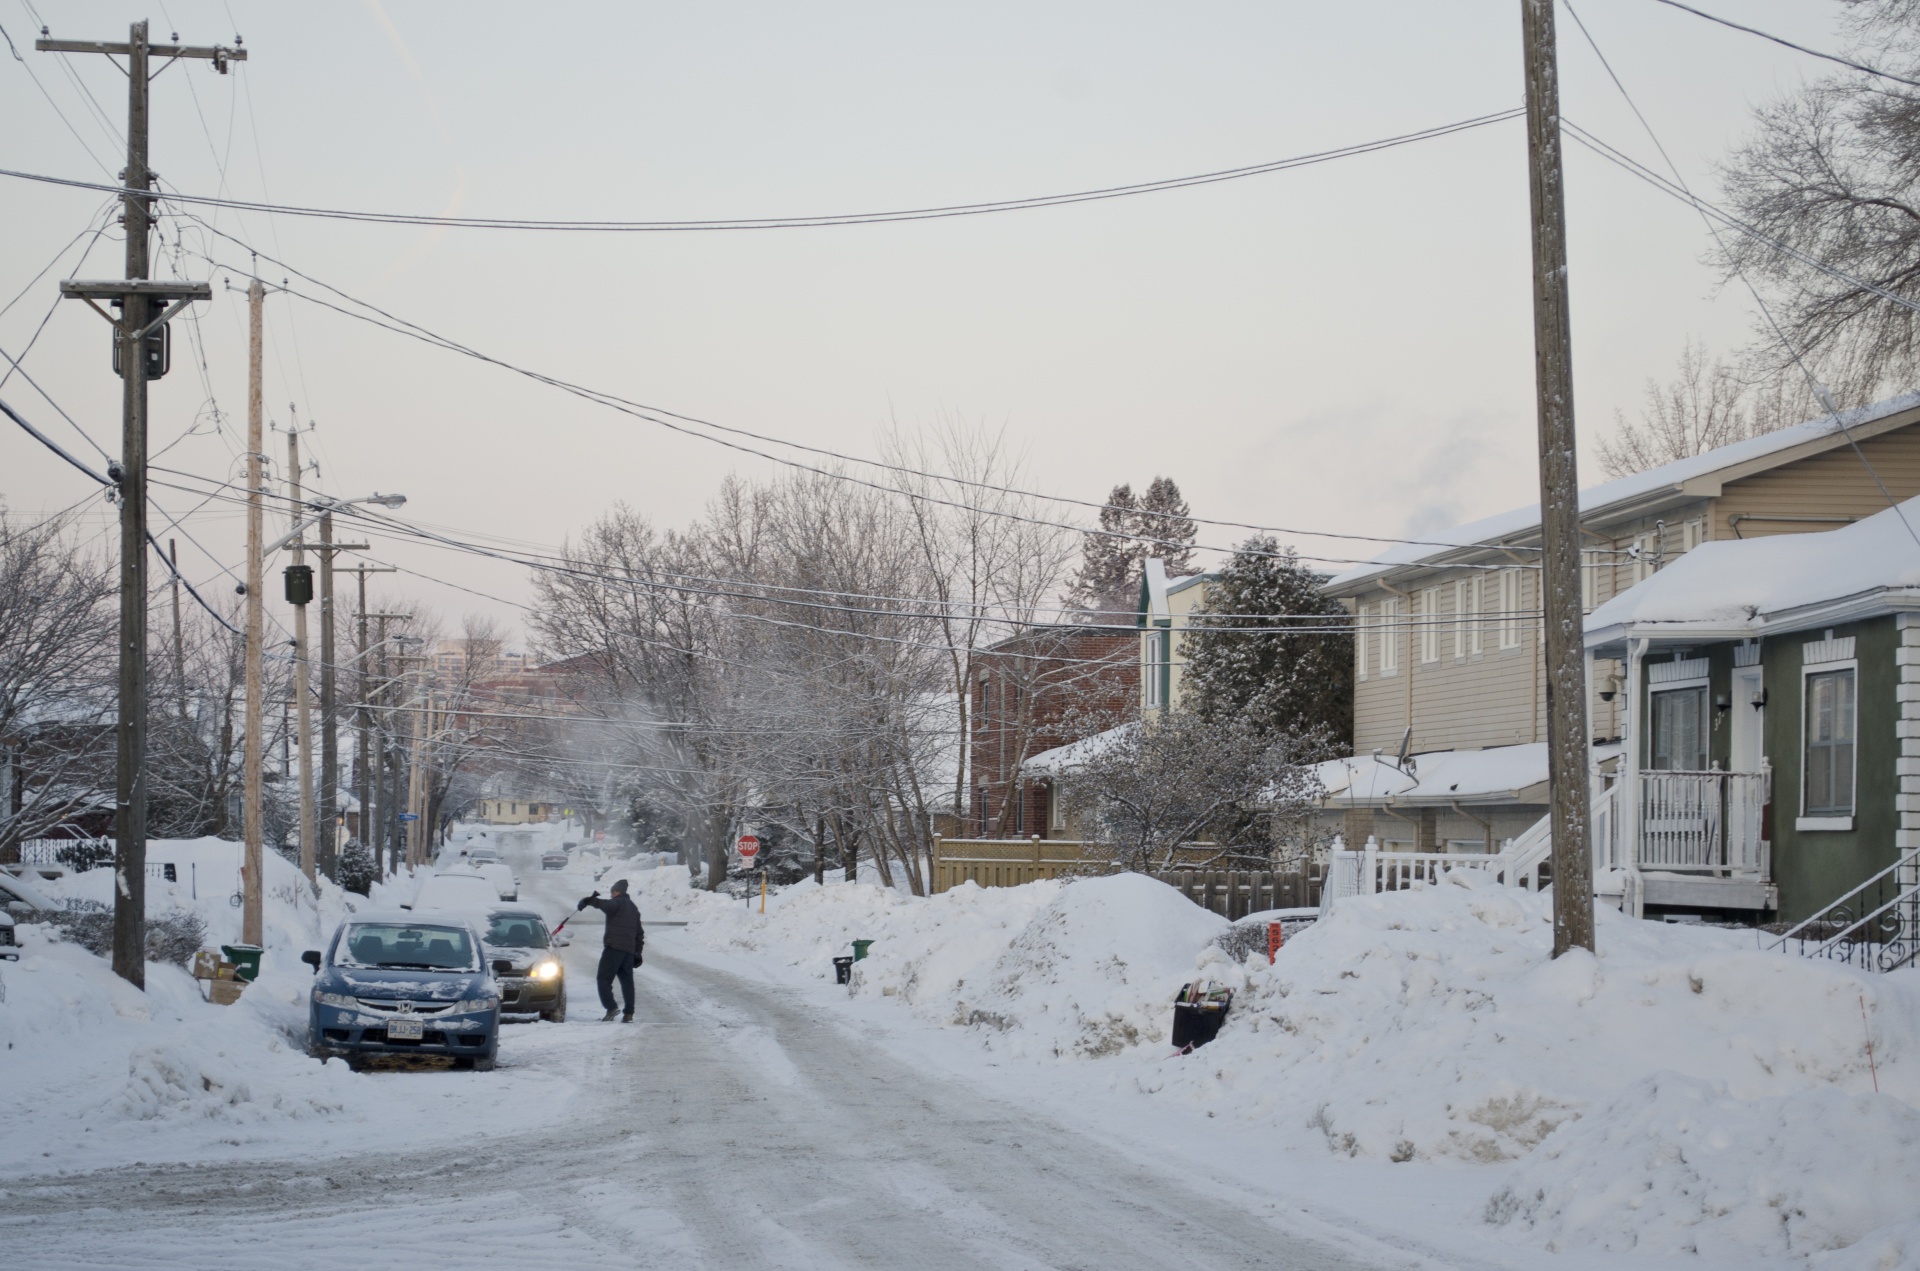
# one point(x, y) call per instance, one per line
point(409, 816)
point(749, 846)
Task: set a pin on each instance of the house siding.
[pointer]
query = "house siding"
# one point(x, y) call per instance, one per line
point(1834, 483)
point(1816, 867)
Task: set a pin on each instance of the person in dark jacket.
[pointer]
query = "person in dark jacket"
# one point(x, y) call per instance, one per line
point(620, 948)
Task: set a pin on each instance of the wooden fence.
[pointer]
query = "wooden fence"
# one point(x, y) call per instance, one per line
point(1232, 893)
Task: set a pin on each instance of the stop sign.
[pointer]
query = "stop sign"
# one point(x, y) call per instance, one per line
point(749, 846)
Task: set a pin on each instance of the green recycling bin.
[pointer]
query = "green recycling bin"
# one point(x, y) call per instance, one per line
point(245, 959)
point(860, 948)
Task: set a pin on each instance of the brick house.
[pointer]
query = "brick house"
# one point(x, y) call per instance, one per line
point(1032, 692)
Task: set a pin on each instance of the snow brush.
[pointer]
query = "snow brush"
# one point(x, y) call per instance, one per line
point(570, 917)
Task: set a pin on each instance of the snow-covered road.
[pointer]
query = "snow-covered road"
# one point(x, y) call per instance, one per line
point(735, 1127)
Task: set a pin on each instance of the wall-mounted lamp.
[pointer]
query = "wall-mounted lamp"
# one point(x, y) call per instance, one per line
point(1760, 700)
point(1609, 686)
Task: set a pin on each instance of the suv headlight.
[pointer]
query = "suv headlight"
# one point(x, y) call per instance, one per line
point(547, 970)
point(471, 1005)
point(340, 1000)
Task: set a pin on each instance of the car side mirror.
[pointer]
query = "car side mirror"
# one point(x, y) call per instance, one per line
point(561, 942)
point(406, 906)
point(312, 958)
point(503, 967)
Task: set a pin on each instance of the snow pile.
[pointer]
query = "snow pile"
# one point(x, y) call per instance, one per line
point(1677, 1165)
point(1082, 969)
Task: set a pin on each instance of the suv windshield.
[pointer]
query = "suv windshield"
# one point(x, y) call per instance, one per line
point(412, 947)
point(516, 931)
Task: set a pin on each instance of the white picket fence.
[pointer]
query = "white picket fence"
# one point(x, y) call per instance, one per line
point(1369, 869)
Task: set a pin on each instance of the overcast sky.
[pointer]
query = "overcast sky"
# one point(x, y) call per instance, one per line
point(1345, 347)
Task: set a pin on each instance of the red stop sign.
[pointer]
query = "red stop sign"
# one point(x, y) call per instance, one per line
point(749, 846)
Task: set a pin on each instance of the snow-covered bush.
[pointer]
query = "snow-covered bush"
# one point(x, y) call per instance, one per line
point(171, 937)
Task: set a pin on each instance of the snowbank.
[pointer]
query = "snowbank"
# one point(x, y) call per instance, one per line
point(1683, 1091)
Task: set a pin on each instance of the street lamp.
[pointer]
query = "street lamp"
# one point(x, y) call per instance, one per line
point(325, 507)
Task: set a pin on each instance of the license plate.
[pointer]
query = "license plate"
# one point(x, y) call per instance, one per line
point(404, 1030)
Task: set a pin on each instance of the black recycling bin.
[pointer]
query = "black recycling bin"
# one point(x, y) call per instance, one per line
point(1198, 1015)
point(843, 969)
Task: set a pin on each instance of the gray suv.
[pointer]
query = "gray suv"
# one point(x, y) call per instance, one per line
point(536, 982)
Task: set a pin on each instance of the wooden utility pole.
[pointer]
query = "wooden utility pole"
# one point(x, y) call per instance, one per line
point(303, 718)
point(329, 721)
point(179, 640)
point(140, 351)
point(251, 760)
point(1568, 745)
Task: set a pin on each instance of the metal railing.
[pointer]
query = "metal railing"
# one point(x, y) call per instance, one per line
point(1876, 926)
point(1702, 822)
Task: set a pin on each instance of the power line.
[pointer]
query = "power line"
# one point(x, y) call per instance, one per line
point(835, 219)
point(1786, 43)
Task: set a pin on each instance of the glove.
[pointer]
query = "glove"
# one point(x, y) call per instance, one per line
point(583, 903)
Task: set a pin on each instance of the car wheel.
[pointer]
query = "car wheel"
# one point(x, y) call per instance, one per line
point(558, 1015)
point(483, 1065)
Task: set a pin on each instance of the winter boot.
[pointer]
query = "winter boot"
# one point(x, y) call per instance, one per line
point(627, 1018)
point(609, 1016)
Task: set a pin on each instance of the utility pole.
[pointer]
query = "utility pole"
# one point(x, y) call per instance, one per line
point(300, 592)
point(329, 799)
point(179, 640)
point(251, 757)
point(1568, 744)
point(140, 357)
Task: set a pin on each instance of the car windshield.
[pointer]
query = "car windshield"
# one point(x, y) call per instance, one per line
point(516, 931)
point(407, 946)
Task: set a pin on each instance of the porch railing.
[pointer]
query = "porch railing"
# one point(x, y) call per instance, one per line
point(1702, 822)
point(1876, 926)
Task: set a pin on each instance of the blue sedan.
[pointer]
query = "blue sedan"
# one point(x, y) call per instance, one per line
point(402, 983)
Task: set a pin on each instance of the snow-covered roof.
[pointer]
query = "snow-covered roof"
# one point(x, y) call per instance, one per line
point(1051, 763)
point(1499, 773)
point(1639, 486)
point(1736, 588)
point(1157, 586)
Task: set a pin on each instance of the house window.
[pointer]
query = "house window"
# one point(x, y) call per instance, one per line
point(1831, 721)
point(980, 810)
point(1362, 632)
point(1589, 580)
point(1430, 625)
point(1056, 810)
point(1680, 729)
point(1510, 614)
point(1462, 617)
point(1389, 636)
point(1156, 677)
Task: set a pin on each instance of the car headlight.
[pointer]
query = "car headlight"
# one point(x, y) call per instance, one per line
point(548, 970)
point(474, 1004)
point(340, 1000)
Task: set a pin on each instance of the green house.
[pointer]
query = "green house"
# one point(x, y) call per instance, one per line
point(1771, 757)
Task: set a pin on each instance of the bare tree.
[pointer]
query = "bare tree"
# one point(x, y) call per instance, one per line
point(1706, 405)
point(1830, 182)
point(56, 678)
point(1153, 788)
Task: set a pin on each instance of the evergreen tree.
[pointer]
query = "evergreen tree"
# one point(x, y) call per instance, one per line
point(1294, 680)
point(1133, 528)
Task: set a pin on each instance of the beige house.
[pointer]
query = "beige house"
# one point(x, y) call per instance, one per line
point(518, 811)
point(1448, 649)
point(1167, 606)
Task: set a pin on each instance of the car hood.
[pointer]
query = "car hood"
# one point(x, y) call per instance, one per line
point(431, 986)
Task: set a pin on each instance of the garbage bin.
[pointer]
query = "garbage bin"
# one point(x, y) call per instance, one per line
point(860, 948)
point(843, 970)
point(245, 959)
point(1198, 1014)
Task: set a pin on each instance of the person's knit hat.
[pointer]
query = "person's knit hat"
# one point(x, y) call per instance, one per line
point(620, 887)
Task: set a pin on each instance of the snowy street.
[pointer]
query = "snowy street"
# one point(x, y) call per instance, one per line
point(735, 1127)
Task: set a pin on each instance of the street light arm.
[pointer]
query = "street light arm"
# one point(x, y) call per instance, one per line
point(327, 506)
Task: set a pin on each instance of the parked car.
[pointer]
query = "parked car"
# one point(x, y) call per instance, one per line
point(482, 856)
point(392, 982)
point(554, 860)
point(22, 899)
point(535, 982)
point(463, 891)
point(503, 879)
point(9, 948)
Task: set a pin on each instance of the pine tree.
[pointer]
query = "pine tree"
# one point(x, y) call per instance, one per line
point(1106, 587)
point(1294, 680)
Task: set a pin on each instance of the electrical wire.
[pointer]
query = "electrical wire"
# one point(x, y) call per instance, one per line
point(835, 219)
point(1786, 43)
